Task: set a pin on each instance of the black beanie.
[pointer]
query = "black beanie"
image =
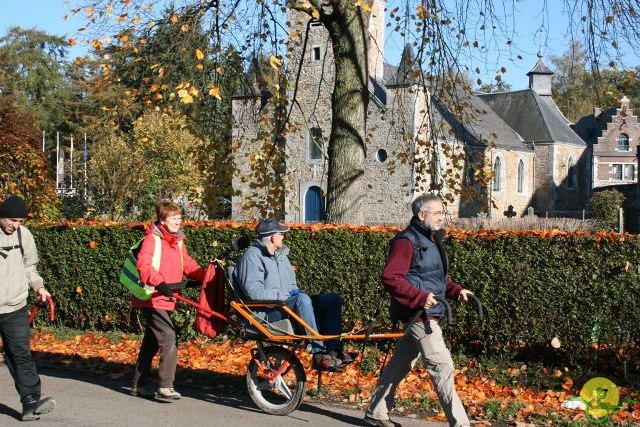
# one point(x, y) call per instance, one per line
point(13, 207)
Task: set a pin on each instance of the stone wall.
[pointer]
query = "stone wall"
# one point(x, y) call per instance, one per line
point(508, 195)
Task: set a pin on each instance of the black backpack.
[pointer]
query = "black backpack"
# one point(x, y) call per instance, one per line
point(19, 245)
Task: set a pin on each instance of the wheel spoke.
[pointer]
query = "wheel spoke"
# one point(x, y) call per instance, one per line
point(281, 385)
point(263, 385)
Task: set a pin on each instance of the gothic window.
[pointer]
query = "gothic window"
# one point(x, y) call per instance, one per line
point(497, 174)
point(520, 176)
point(572, 178)
point(623, 142)
point(471, 176)
point(315, 144)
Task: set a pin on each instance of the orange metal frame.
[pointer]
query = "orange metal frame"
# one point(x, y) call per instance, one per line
point(244, 311)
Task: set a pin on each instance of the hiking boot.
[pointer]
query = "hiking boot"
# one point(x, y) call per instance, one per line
point(142, 391)
point(325, 361)
point(382, 423)
point(168, 393)
point(344, 356)
point(32, 407)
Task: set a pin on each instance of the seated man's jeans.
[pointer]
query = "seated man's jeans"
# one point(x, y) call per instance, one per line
point(321, 312)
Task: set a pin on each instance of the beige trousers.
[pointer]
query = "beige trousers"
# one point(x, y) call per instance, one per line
point(437, 361)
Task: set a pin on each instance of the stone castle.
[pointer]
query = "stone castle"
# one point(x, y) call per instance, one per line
point(519, 140)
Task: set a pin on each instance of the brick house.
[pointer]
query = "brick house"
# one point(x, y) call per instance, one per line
point(612, 136)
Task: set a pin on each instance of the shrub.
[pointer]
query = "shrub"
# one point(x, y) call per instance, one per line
point(604, 207)
point(534, 285)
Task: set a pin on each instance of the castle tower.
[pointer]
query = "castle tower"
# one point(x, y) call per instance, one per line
point(376, 40)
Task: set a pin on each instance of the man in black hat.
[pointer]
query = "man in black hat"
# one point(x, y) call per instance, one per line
point(18, 261)
point(264, 272)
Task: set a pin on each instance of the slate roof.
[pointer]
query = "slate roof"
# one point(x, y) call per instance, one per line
point(540, 67)
point(481, 126)
point(403, 74)
point(536, 118)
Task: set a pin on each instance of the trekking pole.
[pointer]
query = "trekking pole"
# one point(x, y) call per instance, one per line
point(476, 300)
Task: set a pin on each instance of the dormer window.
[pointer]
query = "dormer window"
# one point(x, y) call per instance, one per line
point(623, 142)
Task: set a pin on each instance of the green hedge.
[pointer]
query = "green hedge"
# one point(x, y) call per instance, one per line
point(533, 287)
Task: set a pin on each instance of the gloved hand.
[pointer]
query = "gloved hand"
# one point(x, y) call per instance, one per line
point(193, 284)
point(294, 292)
point(164, 289)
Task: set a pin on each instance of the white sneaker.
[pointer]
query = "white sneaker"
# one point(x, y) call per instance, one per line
point(168, 393)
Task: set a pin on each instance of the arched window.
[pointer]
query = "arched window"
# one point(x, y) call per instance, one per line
point(497, 174)
point(623, 142)
point(571, 173)
point(520, 176)
point(314, 205)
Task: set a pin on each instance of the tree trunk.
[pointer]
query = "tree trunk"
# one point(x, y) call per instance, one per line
point(348, 31)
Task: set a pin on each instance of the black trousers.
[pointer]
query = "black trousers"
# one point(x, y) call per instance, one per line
point(16, 336)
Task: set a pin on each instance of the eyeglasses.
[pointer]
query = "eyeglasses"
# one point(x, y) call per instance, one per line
point(436, 213)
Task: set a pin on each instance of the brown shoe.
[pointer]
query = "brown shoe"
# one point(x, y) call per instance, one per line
point(142, 391)
point(382, 423)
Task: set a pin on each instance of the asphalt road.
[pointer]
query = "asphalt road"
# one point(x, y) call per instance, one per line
point(91, 400)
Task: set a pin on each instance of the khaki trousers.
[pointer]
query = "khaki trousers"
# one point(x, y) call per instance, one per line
point(438, 363)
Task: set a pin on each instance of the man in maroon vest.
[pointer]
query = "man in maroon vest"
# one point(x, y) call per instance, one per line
point(416, 273)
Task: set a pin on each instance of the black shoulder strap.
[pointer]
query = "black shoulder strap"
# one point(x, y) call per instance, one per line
point(20, 240)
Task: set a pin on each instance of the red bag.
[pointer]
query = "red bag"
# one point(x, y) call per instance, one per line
point(212, 299)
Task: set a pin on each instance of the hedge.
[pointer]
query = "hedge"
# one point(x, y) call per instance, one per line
point(534, 285)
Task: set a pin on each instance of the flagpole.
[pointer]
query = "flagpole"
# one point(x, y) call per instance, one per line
point(57, 160)
point(85, 166)
point(71, 164)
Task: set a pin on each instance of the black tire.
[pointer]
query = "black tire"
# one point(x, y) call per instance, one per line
point(283, 395)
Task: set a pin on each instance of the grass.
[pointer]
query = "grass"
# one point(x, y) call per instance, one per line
point(64, 333)
point(502, 411)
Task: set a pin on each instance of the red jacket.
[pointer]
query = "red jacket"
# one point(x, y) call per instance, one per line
point(172, 266)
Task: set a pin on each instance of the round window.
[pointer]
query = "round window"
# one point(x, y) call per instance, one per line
point(381, 155)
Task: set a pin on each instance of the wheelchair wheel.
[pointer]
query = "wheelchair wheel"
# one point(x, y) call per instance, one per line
point(276, 393)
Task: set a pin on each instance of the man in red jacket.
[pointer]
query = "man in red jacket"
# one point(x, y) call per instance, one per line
point(415, 274)
point(162, 262)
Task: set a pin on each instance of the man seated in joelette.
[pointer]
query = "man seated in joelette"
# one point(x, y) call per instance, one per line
point(264, 272)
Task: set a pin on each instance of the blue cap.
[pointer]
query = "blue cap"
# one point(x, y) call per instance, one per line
point(267, 227)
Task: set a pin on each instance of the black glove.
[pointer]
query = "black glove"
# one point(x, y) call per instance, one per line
point(193, 284)
point(164, 289)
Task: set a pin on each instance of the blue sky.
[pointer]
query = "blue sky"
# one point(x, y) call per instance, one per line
point(47, 15)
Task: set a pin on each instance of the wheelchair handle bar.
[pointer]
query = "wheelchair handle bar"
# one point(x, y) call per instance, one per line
point(52, 309)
